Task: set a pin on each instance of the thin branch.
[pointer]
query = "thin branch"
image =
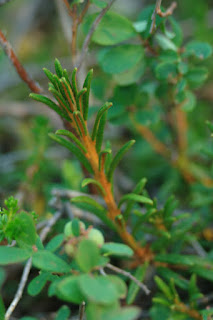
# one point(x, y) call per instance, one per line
point(28, 266)
point(84, 11)
point(34, 87)
point(20, 290)
point(130, 276)
point(158, 11)
point(82, 310)
point(91, 32)
point(69, 9)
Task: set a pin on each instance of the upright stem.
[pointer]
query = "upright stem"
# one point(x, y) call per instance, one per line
point(142, 253)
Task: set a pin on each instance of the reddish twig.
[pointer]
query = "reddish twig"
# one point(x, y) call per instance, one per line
point(91, 32)
point(34, 87)
point(160, 13)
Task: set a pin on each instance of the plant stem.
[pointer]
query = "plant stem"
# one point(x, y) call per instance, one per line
point(142, 253)
point(34, 87)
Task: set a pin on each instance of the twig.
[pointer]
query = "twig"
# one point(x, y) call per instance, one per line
point(158, 11)
point(28, 266)
point(91, 31)
point(34, 87)
point(84, 11)
point(130, 276)
point(82, 310)
point(20, 290)
point(69, 10)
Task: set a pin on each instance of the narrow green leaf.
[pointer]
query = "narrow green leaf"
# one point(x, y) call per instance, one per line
point(103, 153)
point(164, 287)
point(63, 313)
point(70, 135)
point(58, 68)
point(61, 100)
point(117, 249)
point(48, 261)
point(87, 181)
point(101, 111)
point(168, 274)
point(118, 158)
point(66, 76)
point(50, 104)
point(74, 84)
point(92, 206)
point(88, 200)
point(85, 98)
point(133, 287)
point(78, 115)
point(50, 77)
point(77, 152)
point(137, 190)
point(187, 260)
point(100, 132)
point(136, 198)
point(80, 98)
point(10, 255)
point(68, 89)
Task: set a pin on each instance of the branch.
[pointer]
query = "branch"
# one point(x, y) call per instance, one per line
point(34, 87)
point(130, 276)
point(91, 31)
point(28, 266)
point(158, 11)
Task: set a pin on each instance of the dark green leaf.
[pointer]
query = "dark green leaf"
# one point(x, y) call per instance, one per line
point(201, 50)
point(77, 152)
point(50, 104)
point(85, 98)
point(136, 198)
point(58, 68)
point(100, 132)
point(101, 111)
point(166, 70)
point(118, 158)
point(87, 181)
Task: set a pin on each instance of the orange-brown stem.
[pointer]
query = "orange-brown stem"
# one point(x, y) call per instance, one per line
point(157, 145)
point(142, 253)
point(181, 127)
point(181, 307)
point(34, 87)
